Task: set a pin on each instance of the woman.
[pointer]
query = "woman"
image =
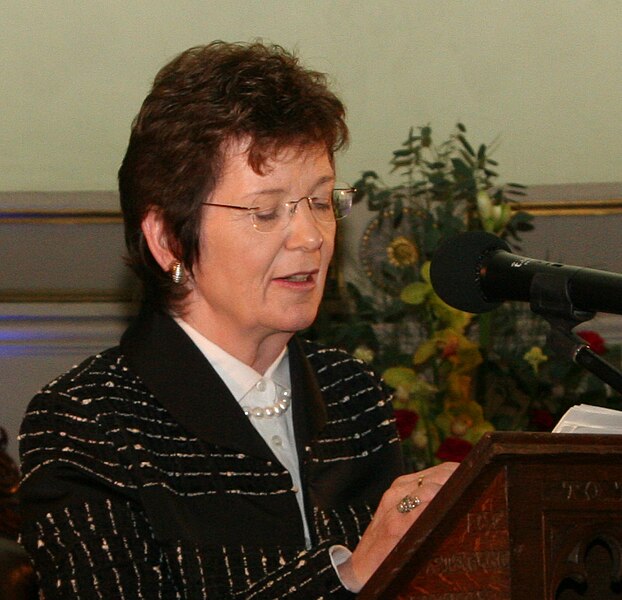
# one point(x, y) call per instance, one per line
point(214, 453)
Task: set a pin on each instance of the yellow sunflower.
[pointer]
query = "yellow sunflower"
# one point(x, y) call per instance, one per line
point(402, 252)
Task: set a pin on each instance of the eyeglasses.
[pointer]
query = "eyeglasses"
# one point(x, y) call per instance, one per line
point(325, 209)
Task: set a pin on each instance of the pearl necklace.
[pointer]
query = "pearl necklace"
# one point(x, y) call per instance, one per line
point(283, 402)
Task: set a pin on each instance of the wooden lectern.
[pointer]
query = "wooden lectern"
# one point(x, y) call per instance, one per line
point(527, 516)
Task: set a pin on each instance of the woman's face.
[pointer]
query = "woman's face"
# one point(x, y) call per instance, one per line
point(249, 285)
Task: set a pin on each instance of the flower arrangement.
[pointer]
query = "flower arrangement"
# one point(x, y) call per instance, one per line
point(455, 375)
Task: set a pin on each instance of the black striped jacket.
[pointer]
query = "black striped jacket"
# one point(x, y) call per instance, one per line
point(143, 479)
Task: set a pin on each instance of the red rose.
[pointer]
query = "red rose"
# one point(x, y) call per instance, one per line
point(453, 449)
point(405, 421)
point(594, 341)
point(542, 419)
point(450, 348)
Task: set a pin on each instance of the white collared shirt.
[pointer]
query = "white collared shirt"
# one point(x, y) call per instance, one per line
point(251, 388)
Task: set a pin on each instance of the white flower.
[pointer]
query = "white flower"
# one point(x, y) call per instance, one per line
point(494, 217)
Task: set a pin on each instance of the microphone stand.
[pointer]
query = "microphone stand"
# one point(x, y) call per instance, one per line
point(550, 299)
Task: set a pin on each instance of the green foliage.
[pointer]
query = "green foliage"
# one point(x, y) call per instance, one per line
point(442, 183)
point(454, 375)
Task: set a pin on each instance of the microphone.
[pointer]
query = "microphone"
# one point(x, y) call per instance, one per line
point(476, 271)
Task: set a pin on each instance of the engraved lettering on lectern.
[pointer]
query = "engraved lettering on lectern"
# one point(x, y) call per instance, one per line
point(477, 595)
point(486, 521)
point(574, 490)
point(469, 562)
point(584, 490)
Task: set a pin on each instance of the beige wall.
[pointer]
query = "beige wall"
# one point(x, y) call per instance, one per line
point(546, 75)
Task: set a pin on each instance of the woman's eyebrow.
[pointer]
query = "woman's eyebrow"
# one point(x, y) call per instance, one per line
point(324, 179)
point(268, 191)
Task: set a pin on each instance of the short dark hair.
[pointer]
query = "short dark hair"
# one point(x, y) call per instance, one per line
point(205, 99)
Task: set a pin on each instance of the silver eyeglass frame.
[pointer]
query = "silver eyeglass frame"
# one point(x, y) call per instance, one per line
point(292, 207)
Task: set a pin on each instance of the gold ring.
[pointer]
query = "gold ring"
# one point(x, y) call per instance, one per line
point(408, 503)
point(420, 480)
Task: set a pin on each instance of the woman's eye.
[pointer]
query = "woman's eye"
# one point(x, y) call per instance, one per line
point(268, 214)
point(322, 204)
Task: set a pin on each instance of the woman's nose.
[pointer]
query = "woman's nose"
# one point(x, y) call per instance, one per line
point(304, 229)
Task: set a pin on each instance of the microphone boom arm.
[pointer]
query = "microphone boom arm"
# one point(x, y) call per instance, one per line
point(550, 299)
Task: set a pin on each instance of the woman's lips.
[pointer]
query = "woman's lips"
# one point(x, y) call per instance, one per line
point(299, 278)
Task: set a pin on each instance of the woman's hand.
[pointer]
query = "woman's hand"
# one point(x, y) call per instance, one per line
point(400, 506)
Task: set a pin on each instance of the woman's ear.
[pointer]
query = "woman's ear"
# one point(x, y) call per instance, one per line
point(156, 235)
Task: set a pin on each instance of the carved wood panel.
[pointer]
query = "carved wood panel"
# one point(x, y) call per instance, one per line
point(472, 559)
point(559, 516)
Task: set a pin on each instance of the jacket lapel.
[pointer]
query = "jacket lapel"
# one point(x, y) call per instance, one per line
point(307, 400)
point(185, 383)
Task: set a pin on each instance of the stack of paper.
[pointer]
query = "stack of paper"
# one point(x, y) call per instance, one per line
point(584, 418)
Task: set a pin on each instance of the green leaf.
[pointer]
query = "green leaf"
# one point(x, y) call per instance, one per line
point(399, 213)
point(378, 201)
point(415, 293)
point(399, 163)
point(467, 157)
point(426, 136)
point(400, 377)
point(466, 145)
point(411, 138)
point(461, 127)
point(359, 194)
point(461, 168)
point(521, 217)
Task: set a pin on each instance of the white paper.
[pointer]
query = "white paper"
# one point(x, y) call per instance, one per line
point(584, 418)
